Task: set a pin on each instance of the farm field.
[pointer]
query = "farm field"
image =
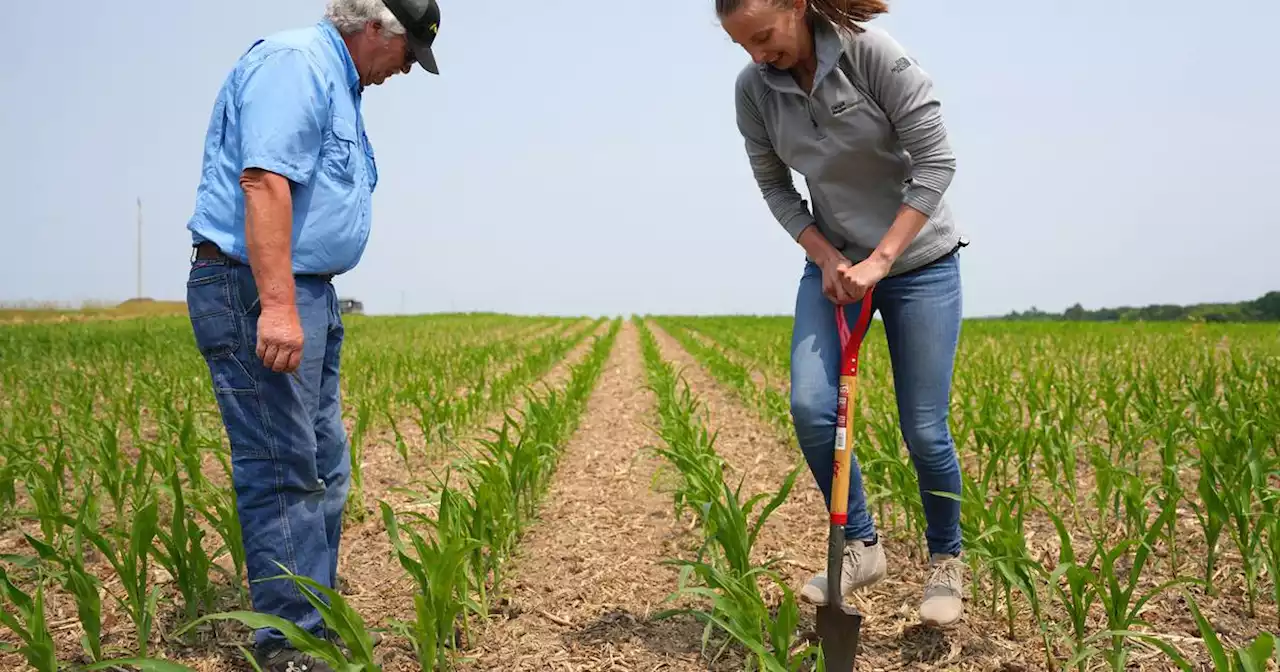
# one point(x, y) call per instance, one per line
point(543, 493)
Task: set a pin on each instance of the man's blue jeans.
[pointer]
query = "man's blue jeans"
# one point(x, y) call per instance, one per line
point(289, 452)
point(921, 314)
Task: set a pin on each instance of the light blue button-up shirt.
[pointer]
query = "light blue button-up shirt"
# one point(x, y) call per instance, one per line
point(291, 105)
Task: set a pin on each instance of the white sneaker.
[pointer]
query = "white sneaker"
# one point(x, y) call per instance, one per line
point(863, 566)
point(943, 602)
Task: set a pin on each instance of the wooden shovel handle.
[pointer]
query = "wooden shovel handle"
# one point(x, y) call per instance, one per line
point(850, 344)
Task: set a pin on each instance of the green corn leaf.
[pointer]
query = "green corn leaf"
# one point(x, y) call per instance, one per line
point(299, 638)
point(337, 614)
point(1254, 657)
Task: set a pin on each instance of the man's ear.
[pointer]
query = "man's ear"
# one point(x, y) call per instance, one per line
point(375, 28)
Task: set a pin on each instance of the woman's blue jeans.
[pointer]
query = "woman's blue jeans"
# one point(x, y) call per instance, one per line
point(921, 314)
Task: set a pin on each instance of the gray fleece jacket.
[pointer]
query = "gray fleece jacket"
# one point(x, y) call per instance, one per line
point(869, 139)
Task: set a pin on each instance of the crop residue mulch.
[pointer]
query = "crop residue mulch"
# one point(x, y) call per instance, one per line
point(377, 586)
point(588, 576)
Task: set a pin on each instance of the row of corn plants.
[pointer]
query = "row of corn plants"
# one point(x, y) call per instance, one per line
point(1128, 452)
point(81, 405)
point(113, 470)
point(725, 580)
point(457, 550)
point(453, 403)
point(456, 401)
point(727, 366)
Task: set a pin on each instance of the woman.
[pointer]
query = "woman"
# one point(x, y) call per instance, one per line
point(869, 139)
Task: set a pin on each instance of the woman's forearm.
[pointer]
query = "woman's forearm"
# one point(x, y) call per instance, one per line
point(906, 226)
point(816, 245)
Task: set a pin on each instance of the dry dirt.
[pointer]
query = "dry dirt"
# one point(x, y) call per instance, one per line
point(377, 586)
point(588, 576)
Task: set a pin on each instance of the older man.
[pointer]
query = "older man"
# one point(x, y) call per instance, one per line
point(283, 205)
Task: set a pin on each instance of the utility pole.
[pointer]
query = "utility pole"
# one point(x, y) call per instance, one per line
point(139, 295)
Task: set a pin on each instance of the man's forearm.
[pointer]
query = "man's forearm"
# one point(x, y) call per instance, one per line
point(906, 226)
point(268, 232)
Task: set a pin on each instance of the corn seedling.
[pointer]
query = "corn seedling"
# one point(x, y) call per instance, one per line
point(338, 616)
point(28, 624)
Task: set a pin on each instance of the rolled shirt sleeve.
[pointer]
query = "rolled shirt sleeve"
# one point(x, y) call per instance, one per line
point(906, 93)
point(282, 105)
point(772, 175)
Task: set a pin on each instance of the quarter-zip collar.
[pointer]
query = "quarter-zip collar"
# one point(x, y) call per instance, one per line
point(826, 44)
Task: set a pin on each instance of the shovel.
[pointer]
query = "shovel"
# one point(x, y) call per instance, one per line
point(839, 624)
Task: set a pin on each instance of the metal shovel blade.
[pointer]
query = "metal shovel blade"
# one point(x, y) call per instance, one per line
point(839, 628)
point(839, 624)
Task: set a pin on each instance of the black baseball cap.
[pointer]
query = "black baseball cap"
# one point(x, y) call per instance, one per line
point(421, 21)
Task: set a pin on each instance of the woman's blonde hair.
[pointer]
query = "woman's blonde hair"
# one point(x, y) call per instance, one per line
point(846, 14)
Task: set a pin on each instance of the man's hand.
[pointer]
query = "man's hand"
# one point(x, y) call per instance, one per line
point(858, 279)
point(280, 338)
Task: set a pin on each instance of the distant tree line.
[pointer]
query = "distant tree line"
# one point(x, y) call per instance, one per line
point(1265, 308)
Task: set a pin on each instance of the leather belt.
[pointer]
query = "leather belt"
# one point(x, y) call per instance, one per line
point(210, 252)
point(207, 251)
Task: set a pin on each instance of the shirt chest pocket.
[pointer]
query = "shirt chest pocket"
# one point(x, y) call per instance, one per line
point(344, 158)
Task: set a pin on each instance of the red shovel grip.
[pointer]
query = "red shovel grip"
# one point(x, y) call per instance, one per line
point(851, 339)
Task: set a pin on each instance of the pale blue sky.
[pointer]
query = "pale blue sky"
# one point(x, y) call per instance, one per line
point(581, 157)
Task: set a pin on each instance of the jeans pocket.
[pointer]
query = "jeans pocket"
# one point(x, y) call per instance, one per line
point(216, 327)
point(210, 309)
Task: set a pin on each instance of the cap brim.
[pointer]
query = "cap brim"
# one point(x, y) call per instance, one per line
point(426, 59)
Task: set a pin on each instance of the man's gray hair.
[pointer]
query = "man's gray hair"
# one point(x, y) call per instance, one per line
point(349, 16)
